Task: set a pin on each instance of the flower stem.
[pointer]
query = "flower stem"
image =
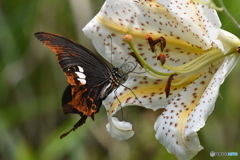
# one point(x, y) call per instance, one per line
point(228, 14)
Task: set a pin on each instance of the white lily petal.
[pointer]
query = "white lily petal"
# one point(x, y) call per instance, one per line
point(98, 30)
point(120, 17)
point(186, 114)
point(229, 41)
point(120, 130)
point(201, 22)
point(196, 50)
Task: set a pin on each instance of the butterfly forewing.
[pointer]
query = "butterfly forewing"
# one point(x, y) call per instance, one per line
point(71, 54)
point(90, 79)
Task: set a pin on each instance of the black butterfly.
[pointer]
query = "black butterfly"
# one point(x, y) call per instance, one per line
point(91, 80)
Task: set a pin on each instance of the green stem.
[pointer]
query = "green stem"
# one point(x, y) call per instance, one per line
point(228, 14)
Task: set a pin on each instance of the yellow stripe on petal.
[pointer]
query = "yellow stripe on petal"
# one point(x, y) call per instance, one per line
point(138, 33)
point(146, 91)
point(175, 125)
point(123, 21)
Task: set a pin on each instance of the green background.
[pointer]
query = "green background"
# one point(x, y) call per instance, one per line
point(31, 86)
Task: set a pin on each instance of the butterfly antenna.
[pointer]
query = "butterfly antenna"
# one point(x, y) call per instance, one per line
point(126, 61)
point(130, 70)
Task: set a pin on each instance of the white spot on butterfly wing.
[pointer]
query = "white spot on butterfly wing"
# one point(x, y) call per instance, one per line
point(82, 81)
point(80, 69)
point(81, 75)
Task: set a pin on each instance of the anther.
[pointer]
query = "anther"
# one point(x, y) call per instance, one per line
point(162, 43)
point(162, 58)
point(238, 49)
point(168, 85)
point(152, 42)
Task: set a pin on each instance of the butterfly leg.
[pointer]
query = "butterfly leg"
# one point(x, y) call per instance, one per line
point(132, 93)
point(78, 124)
point(119, 102)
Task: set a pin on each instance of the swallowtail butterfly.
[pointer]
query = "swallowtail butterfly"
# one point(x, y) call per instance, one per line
point(90, 79)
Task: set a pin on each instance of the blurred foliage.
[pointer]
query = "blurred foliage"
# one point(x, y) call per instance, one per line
point(31, 85)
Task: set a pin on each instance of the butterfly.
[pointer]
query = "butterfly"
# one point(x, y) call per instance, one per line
point(90, 79)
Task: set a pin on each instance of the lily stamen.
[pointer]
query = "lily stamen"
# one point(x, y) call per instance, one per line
point(207, 58)
point(162, 58)
point(143, 63)
point(168, 85)
point(152, 42)
point(195, 66)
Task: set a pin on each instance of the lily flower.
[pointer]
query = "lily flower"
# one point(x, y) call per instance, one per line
point(182, 57)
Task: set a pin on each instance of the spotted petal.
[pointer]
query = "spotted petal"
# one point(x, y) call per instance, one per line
point(119, 17)
point(193, 36)
point(187, 113)
point(200, 23)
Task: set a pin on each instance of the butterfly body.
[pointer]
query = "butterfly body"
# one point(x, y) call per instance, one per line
point(90, 79)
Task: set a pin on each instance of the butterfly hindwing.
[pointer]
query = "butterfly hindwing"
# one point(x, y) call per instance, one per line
point(90, 80)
